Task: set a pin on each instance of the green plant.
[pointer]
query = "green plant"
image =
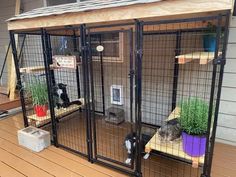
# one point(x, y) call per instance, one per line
point(194, 116)
point(212, 30)
point(38, 92)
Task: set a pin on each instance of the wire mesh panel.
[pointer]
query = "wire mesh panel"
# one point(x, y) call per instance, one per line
point(68, 92)
point(66, 87)
point(112, 87)
point(180, 79)
point(97, 100)
point(33, 79)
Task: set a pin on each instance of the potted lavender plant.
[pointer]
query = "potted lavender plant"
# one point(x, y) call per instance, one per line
point(193, 120)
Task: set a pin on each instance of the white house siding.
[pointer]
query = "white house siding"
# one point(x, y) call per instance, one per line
point(7, 10)
point(226, 131)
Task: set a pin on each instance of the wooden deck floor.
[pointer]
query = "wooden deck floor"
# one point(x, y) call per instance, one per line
point(18, 161)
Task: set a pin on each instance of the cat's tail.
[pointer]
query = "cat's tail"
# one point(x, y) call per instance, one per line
point(77, 102)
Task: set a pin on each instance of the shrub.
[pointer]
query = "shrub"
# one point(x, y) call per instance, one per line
point(194, 116)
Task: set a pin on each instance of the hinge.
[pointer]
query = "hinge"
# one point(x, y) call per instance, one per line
point(132, 72)
point(219, 61)
point(84, 47)
point(140, 52)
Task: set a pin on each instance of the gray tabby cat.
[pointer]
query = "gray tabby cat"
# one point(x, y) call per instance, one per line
point(170, 130)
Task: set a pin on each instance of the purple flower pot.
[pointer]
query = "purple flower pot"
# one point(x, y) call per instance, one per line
point(194, 146)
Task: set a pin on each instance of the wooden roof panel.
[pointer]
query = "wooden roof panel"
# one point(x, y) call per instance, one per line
point(78, 7)
point(108, 11)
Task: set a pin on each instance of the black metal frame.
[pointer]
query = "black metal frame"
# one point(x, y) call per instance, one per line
point(50, 80)
point(96, 157)
point(219, 61)
point(136, 75)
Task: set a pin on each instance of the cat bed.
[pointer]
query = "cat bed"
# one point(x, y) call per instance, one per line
point(38, 121)
point(174, 148)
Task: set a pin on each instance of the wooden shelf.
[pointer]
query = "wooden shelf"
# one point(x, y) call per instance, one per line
point(174, 148)
point(174, 114)
point(33, 69)
point(203, 57)
point(58, 113)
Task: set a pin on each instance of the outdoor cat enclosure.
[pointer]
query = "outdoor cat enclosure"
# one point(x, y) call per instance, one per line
point(119, 76)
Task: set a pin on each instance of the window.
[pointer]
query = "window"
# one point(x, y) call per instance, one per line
point(113, 46)
point(58, 2)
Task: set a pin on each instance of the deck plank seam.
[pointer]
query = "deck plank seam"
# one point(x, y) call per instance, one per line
point(12, 168)
point(25, 160)
point(41, 156)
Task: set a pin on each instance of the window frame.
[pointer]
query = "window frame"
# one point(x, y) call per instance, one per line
point(120, 58)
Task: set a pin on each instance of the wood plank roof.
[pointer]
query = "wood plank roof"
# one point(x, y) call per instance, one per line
point(78, 7)
point(112, 11)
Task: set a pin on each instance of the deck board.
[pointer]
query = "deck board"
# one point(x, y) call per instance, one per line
point(6, 171)
point(49, 160)
point(18, 161)
point(21, 165)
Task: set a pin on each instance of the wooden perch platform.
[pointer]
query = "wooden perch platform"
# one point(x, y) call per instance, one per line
point(33, 69)
point(58, 114)
point(174, 148)
point(203, 57)
point(174, 114)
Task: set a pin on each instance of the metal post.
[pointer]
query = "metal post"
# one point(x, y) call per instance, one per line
point(21, 49)
point(47, 62)
point(22, 99)
point(50, 60)
point(222, 63)
point(86, 88)
point(176, 69)
point(92, 111)
point(131, 75)
point(102, 76)
point(138, 93)
point(208, 153)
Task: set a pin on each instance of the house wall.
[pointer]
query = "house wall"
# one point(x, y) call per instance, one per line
point(226, 131)
point(157, 76)
point(7, 10)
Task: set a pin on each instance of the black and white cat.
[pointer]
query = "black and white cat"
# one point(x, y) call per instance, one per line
point(61, 97)
point(130, 144)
